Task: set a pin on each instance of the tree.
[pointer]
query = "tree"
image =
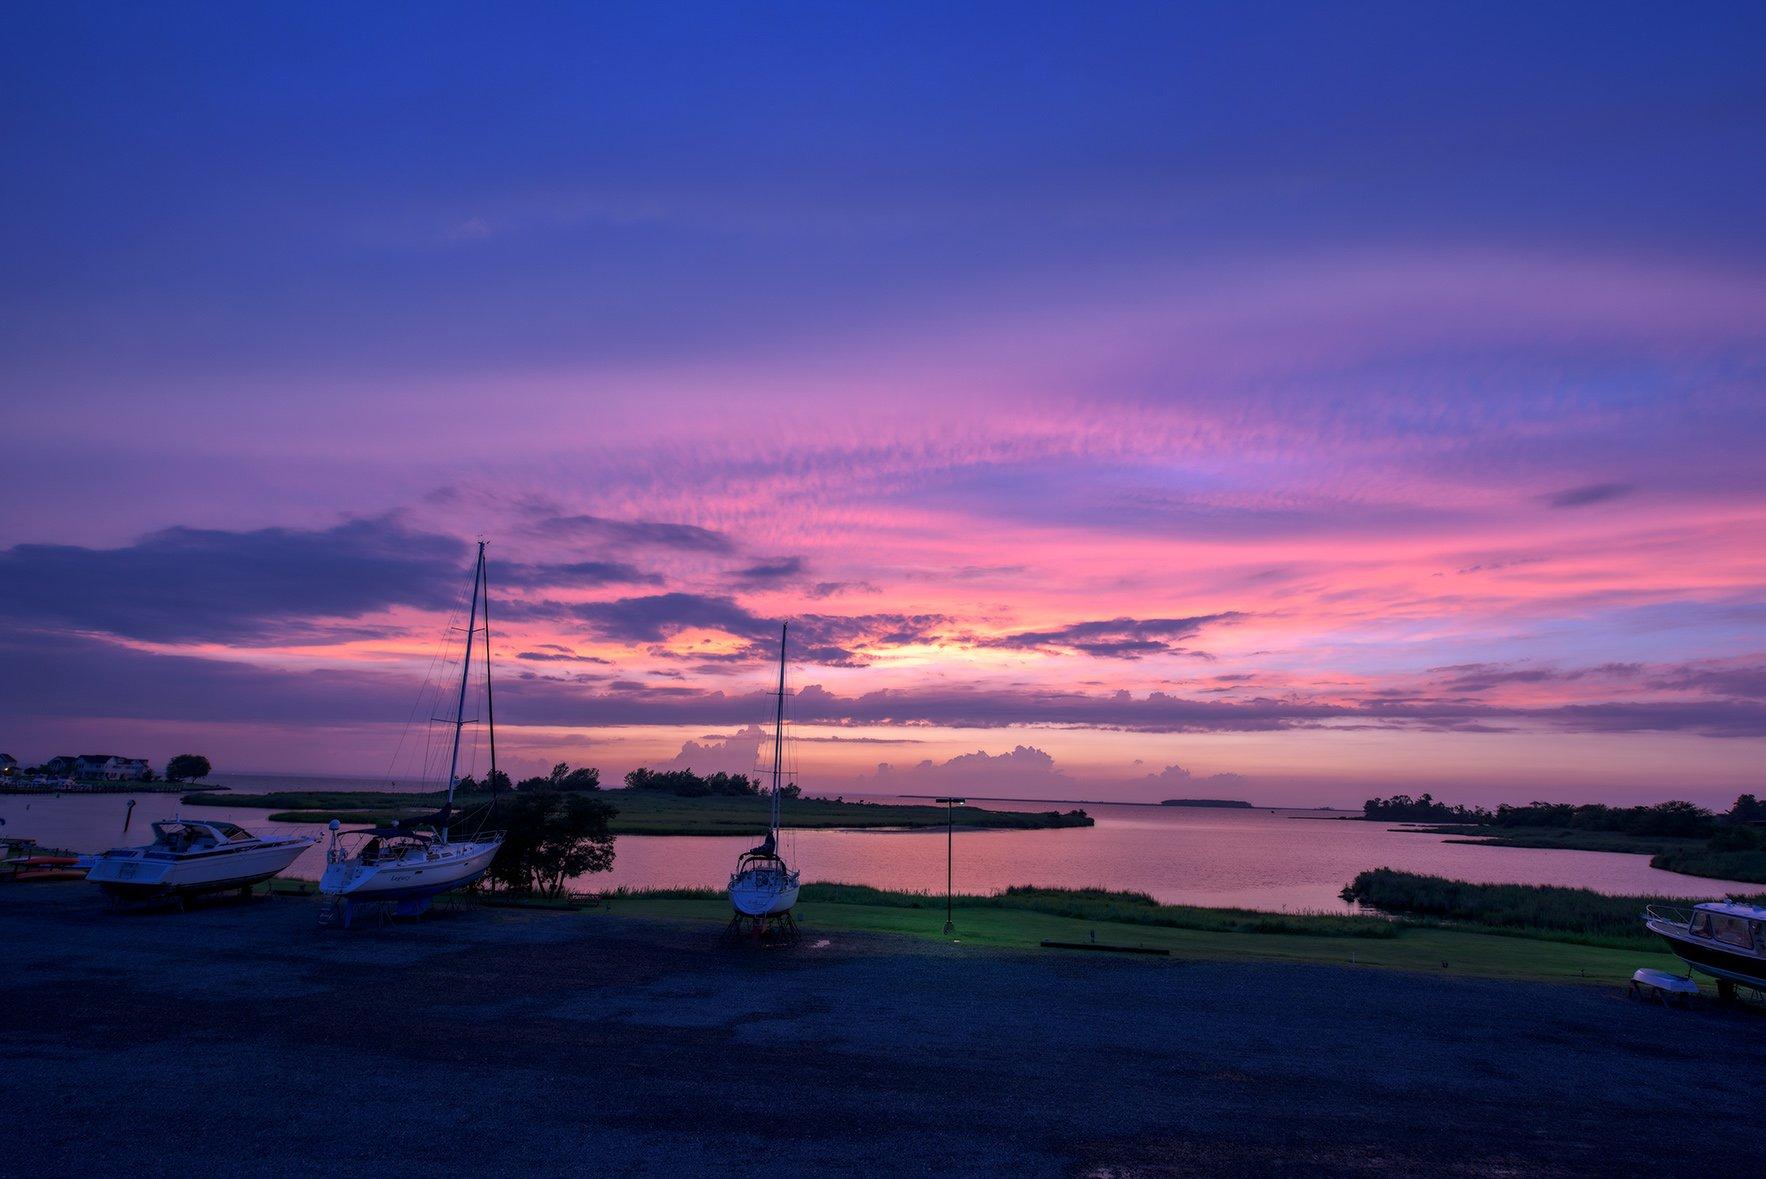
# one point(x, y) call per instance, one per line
point(550, 837)
point(563, 777)
point(1748, 809)
point(187, 767)
point(687, 784)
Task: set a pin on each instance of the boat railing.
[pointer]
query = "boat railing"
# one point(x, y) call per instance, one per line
point(1669, 914)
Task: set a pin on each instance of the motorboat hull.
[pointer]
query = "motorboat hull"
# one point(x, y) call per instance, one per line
point(755, 894)
point(1712, 958)
point(409, 878)
point(133, 874)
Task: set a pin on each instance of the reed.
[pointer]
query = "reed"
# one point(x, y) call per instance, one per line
point(1562, 914)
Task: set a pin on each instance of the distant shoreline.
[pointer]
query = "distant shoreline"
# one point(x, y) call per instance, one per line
point(1229, 804)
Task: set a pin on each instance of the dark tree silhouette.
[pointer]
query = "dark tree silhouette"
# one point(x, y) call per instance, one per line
point(188, 767)
point(550, 837)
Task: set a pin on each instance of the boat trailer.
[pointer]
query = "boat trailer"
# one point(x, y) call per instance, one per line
point(776, 929)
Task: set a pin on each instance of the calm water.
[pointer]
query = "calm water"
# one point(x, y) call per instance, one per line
point(1253, 859)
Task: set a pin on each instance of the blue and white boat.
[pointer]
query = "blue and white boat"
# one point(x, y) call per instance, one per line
point(1724, 939)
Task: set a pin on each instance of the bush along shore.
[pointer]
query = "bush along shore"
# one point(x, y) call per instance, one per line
point(1677, 836)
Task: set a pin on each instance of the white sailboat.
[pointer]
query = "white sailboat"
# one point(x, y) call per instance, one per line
point(764, 888)
point(403, 863)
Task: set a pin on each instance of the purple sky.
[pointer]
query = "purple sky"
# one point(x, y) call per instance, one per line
point(1122, 400)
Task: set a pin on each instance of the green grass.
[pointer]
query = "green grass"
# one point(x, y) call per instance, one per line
point(1531, 910)
point(1023, 918)
point(646, 812)
point(1438, 951)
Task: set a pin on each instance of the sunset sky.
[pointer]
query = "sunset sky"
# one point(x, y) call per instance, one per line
point(1121, 401)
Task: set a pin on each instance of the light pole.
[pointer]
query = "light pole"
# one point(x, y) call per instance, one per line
point(950, 805)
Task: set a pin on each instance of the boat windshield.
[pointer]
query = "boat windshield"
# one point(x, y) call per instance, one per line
point(1732, 931)
point(180, 837)
point(1721, 927)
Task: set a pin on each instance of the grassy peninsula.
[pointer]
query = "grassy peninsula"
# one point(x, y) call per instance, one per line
point(1688, 855)
point(645, 812)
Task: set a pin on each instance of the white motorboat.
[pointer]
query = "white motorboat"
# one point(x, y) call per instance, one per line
point(190, 856)
point(1724, 939)
point(410, 863)
point(763, 885)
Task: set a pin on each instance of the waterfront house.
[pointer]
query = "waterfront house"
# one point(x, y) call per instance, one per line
point(8, 765)
point(110, 768)
point(60, 767)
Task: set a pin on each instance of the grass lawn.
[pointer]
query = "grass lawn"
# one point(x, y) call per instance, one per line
point(1429, 951)
point(1224, 935)
point(645, 812)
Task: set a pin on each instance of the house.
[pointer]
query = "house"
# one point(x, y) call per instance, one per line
point(109, 767)
point(60, 767)
point(8, 765)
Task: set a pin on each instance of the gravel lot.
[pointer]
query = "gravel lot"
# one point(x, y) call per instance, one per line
point(240, 1039)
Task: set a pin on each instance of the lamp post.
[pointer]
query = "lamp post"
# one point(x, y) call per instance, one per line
point(950, 805)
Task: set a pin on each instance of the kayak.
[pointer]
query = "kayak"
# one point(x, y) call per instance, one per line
point(25, 869)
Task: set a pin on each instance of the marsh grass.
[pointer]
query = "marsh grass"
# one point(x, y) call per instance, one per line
point(1748, 865)
point(1535, 910)
point(1084, 904)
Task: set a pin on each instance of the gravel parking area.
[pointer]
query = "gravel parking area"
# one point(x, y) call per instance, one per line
point(240, 1039)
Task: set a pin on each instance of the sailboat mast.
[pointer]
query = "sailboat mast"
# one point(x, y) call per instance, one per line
point(779, 731)
point(465, 672)
point(490, 712)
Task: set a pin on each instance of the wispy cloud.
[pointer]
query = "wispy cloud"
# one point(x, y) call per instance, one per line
point(1115, 638)
point(1587, 494)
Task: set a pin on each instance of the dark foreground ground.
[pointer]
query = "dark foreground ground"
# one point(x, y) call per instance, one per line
point(240, 1039)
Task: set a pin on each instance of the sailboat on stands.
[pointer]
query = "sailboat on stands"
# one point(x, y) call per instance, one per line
point(763, 889)
point(405, 865)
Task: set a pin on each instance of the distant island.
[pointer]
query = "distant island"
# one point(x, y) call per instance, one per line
point(1235, 803)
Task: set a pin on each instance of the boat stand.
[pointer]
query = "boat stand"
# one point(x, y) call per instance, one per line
point(341, 913)
point(338, 913)
point(777, 929)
